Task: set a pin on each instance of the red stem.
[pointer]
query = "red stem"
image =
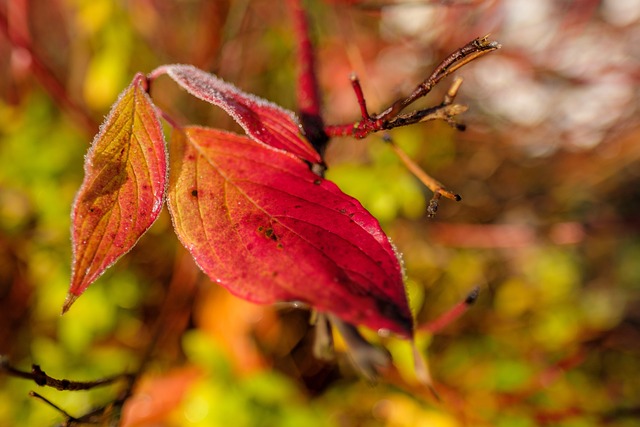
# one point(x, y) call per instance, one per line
point(307, 85)
point(307, 92)
point(355, 83)
point(452, 314)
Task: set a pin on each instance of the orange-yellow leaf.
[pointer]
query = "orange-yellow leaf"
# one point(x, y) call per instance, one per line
point(123, 188)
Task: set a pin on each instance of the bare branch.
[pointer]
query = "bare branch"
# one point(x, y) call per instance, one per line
point(391, 117)
point(453, 313)
point(38, 376)
point(467, 53)
point(435, 186)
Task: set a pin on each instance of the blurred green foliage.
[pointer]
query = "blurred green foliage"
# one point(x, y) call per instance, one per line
point(552, 340)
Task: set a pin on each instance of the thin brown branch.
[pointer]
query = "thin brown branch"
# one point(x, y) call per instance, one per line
point(38, 376)
point(50, 403)
point(440, 112)
point(391, 117)
point(434, 185)
point(467, 53)
point(104, 415)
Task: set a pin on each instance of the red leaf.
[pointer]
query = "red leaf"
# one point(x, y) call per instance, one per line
point(260, 223)
point(123, 188)
point(262, 120)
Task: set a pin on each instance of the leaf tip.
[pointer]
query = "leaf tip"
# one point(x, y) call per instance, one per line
point(68, 302)
point(142, 81)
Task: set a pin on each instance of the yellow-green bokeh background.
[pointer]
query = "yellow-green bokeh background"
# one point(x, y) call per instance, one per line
point(548, 226)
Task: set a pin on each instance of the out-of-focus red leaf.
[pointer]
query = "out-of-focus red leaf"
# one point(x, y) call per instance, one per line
point(123, 188)
point(262, 120)
point(260, 223)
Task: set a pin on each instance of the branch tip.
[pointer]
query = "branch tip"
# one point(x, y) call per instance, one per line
point(355, 84)
point(473, 296)
point(432, 184)
point(484, 43)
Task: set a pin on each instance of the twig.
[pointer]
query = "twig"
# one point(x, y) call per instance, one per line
point(98, 416)
point(430, 182)
point(38, 376)
point(445, 111)
point(467, 53)
point(391, 117)
point(357, 88)
point(50, 403)
point(440, 112)
point(452, 314)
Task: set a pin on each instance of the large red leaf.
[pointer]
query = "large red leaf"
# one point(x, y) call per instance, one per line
point(260, 223)
point(262, 120)
point(123, 188)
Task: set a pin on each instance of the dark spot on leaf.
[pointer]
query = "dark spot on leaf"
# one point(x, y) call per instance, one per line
point(343, 211)
point(260, 229)
point(317, 182)
point(280, 246)
point(271, 234)
point(194, 193)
